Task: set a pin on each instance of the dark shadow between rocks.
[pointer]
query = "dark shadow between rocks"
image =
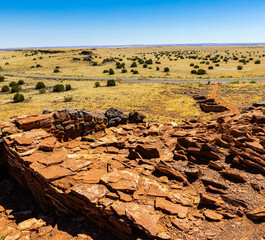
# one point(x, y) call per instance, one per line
point(20, 205)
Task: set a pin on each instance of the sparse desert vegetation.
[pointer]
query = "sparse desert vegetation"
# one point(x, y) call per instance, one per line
point(160, 102)
point(140, 62)
point(241, 93)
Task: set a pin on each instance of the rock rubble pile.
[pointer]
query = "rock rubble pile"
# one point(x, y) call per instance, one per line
point(164, 181)
point(209, 104)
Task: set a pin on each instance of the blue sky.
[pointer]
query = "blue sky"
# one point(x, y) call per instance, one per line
point(79, 23)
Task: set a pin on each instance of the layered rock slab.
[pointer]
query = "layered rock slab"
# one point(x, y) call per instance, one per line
point(157, 180)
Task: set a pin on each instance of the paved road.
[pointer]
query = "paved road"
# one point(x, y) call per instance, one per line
point(232, 108)
point(135, 80)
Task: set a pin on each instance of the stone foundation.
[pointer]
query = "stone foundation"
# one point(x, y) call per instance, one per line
point(138, 179)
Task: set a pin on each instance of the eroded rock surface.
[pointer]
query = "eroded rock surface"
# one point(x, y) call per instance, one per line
point(136, 179)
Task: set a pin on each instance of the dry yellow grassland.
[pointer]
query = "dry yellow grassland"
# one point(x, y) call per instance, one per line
point(159, 102)
point(242, 94)
point(18, 62)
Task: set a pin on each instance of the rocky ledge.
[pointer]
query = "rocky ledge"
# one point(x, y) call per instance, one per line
point(165, 181)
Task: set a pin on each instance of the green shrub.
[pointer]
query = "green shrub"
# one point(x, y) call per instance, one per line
point(239, 67)
point(56, 70)
point(134, 64)
point(105, 71)
point(166, 69)
point(58, 88)
point(95, 63)
point(68, 87)
point(111, 83)
point(38, 66)
point(257, 62)
point(120, 65)
point(5, 88)
point(135, 72)
point(111, 71)
point(193, 72)
point(12, 83)
point(15, 88)
point(18, 98)
point(42, 90)
point(20, 82)
point(234, 82)
point(145, 66)
point(201, 72)
point(68, 98)
point(157, 68)
point(192, 65)
point(124, 70)
point(2, 78)
point(196, 66)
point(97, 84)
point(252, 81)
point(150, 61)
point(40, 85)
point(210, 67)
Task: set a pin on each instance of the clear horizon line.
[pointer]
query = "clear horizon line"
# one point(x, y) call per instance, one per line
point(141, 45)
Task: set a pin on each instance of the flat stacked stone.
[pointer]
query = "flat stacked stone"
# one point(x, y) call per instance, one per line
point(135, 178)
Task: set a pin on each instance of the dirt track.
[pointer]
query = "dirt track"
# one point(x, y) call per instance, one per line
point(232, 108)
point(134, 80)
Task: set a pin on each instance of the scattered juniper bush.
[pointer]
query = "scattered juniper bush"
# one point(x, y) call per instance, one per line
point(58, 88)
point(18, 98)
point(68, 87)
point(5, 88)
point(40, 85)
point(111, 83)
point(166, 69)
point(20, 82)
point(15, 88)
point(111, 71)
point(68, 98)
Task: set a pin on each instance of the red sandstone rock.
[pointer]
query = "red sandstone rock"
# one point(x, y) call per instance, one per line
point(35, 121)
point(93, 177)
point(92, 193)
point(171, 208)
point(121, 180)
point(147, 151)
point(23, 141)
point(48, 144)
point(258, 213)
point(212, 215)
